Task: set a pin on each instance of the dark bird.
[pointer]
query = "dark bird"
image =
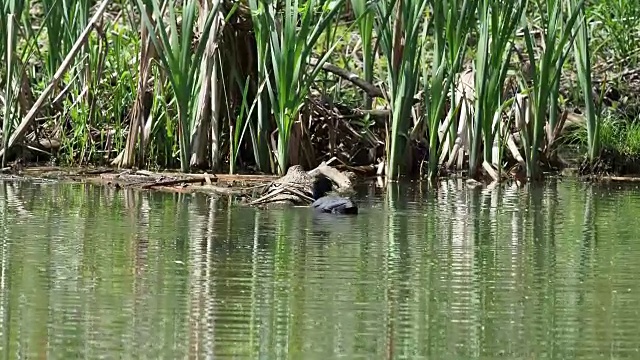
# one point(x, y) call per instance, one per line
point(330, 203)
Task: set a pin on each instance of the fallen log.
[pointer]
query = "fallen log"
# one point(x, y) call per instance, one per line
point(296, 186)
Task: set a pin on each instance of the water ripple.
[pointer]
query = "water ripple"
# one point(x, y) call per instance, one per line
point(542, 272)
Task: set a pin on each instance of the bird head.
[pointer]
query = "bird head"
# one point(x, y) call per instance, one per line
point(321, 186)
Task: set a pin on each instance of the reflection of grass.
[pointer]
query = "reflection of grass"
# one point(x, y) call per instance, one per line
point(92, 117)
point(170, 274)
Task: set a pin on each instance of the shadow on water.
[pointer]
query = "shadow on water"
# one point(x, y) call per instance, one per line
point(447, 272)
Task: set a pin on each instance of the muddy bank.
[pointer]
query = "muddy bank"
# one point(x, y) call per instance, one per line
point(167, 181)
point(252, 189)
point(295, 187)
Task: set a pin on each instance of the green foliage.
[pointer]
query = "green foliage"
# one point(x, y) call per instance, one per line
point(558, 40)
point(615, 29)
point(365, 17)
point(417, 48)
point(180, 62)
point(618, 137)
point(398, 25)
point(261, 127)
point(451, 26)
point(498, 22)
point(292, 35)
point(9, 83)
point(583, 66)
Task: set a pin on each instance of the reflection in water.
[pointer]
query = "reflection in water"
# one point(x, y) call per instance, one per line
point(446, 272)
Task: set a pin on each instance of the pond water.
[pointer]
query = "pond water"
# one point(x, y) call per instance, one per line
point(547, 272)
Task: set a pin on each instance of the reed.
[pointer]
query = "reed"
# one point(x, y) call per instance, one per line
point(398, 26)
point(9, 14)
point(64, 23)
point(261, 127)
point(365, 17)
point(452, 23)
point(8, 96)
point(614, 31)
point(558, 32)
point(498, 21)
point(180, 62)
point(169, 84)
point(242, 122)
point(581, 53)
point(292, 36)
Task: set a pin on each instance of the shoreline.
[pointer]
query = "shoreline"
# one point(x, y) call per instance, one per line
point(164, 181)
point(241, 185)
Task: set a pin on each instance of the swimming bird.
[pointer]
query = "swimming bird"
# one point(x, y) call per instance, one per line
point(330, 203)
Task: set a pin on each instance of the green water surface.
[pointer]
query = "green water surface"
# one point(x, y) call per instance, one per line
point(549, 272)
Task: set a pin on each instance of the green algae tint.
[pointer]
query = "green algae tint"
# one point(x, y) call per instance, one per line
point(453, 273)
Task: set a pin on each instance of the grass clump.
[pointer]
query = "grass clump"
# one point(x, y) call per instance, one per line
point(389, 87)
point(621, 137)
point(619, 142)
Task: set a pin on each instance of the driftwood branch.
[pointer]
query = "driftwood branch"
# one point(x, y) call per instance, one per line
point(369, 88)
point(281, 190)
point(268, 196)
point(332, 173)
point(336, 175)
point(315, 171)
point(171, 182)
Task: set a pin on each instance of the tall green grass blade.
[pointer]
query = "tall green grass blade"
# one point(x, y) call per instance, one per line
point(558, 38)
point(292, 37)
point(583, 64)
point(237, 131)
point(451, 27)
point(180, 61)
point(401, 46)
point(262, 128)
point(8, 100)
point(242, 122)
point(498, 21)
point(365, 18)
point(461, 22)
